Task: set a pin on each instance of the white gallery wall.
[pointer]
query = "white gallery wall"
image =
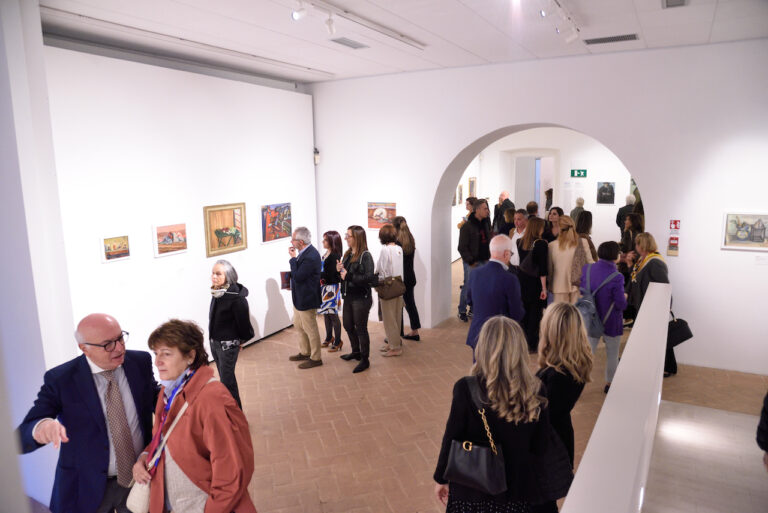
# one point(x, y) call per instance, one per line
point(689, 123)
point(137, 146)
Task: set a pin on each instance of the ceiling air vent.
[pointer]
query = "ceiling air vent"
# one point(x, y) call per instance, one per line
point(611, 39)
point(666, 4)
point(349, 43)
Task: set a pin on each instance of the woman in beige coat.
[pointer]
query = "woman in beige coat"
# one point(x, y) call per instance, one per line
point(563, 279)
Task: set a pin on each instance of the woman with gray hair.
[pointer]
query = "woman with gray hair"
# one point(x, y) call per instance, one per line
point(229, 323)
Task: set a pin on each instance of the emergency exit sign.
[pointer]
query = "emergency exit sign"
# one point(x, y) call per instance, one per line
point(579, 173)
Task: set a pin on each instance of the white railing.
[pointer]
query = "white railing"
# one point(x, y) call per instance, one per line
point(612, 475)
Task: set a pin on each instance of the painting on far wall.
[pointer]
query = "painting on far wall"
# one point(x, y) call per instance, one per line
point(460, 190)
point(225, 230)
point(606, 193)
point(745, 232)
point(380, 214)
point(169, 239)
point(472, 192)
point(115, 248)
point(453, 203)
point(276, 222)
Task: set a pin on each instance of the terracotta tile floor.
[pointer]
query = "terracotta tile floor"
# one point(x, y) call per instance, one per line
point(326, 440)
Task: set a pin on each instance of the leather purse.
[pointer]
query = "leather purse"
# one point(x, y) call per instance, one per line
point(578, 263)
point(390, 287)
point(678, 331)
point(527, 265)
point(477, 466)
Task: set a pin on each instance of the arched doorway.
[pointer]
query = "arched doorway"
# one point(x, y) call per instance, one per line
point(565, 149)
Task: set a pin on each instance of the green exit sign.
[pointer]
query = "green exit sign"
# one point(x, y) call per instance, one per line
point(579, 173)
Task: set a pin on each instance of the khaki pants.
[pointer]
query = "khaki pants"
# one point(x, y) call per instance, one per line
point(565, 297)
point(309, 336)
point(392, 316)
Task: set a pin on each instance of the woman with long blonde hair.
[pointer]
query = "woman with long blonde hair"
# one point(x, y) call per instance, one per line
point(565, 364)
point(517, 415)
point(567, 248)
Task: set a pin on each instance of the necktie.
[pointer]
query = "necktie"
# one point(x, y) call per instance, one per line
point(122, 440)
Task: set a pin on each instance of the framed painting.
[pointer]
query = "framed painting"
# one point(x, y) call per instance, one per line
point(276, 222)
point(472, 187)
point(115, 248)
point(744, 232)
point(169, 239)
point(453, 203)
point(380, 214)
point(606, 193)
point(225, 230)
point(460, 190)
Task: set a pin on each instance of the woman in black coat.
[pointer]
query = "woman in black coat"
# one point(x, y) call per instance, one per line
point(357, 275)
point(533, 287)
point(517, 417)
point(229, 323)
point(405, 241)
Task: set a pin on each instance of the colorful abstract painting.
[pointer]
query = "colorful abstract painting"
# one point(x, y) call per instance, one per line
point(115, 248)
point(276, 222)
point(380, 214)
point(225, 229)
point(169, 239)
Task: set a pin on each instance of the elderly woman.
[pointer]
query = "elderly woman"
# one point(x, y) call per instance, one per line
point(229, 323)
point(390, 265)
point(516, 412)
point(648, 267)
point(207, 461)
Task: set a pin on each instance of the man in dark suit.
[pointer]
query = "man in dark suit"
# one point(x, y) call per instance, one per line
point(624, 212)
point(498, 211)
point(98, 409)
point(305, 290)
point(494, 290)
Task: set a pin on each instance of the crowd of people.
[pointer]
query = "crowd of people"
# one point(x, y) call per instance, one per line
point(116, 425)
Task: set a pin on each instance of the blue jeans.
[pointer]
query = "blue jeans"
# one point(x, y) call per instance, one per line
point(467, 283)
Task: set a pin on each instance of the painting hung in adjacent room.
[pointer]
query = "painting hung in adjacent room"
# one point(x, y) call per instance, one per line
point(170, 239)
point(225, 230)
point(606, 193)
point(460, 191)
point(115, 248)
point(745, 232)
point(472, 187)
point(380, 214)
point(276, 222)
point(453, 203)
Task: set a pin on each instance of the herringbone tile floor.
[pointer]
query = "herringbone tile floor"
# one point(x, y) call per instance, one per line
point(327, 440)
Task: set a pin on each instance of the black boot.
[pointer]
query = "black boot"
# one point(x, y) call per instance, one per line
point(364, 364)
point(351, 356)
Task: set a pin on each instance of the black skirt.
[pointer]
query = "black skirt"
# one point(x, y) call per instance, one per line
point(483, 505)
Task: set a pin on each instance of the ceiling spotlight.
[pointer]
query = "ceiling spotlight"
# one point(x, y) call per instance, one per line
point(557, 30)
point(543, 13)
point(330, 25)
point(299, 13)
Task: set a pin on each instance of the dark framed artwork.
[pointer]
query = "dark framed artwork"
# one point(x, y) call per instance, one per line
point(606, 193)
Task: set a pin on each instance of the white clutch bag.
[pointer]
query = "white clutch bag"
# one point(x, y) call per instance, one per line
point(138, 498)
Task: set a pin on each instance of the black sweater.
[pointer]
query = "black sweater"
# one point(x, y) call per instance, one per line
point(329, 274)
point(474, 240)
point(520, 443)
point(228, 315)
point(562, 391)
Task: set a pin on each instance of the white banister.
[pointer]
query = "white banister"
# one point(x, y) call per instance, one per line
point(612, 474)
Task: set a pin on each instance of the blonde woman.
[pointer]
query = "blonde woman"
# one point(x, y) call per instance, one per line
point(565, 363)
point(517, 416)
point(562, 282)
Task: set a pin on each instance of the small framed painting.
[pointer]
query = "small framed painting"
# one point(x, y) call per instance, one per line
point(460, 190)
point(225, 230)
point(276, 222)
point(380, 214)
point(606, 193)
point(472, 187)
point(115, 248)
point(169, 239)
point(744, 232)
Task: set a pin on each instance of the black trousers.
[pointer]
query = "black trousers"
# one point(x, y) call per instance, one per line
point(410, 307)
point(332, 325)
point(114, 498)
point(534, 311)
point(670, 362)
point(356, 312)
point(225, 355)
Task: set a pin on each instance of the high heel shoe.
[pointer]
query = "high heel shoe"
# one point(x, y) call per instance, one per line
point(336, 347)
point(327, 343)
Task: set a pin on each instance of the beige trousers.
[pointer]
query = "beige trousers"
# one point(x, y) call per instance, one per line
point(565, 297)
point(392, 316)
point(309, 336)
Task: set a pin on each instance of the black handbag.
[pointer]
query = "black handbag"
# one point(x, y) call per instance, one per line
point(527, 265)
point(678, 331)
point(477, 466)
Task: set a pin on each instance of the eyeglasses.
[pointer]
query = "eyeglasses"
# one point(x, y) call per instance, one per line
point(109, 345)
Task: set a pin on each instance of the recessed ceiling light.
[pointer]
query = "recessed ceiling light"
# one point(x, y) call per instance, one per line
point(543, 13)
point(298, 13)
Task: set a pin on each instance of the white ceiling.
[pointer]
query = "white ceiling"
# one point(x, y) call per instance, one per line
point(259, 36)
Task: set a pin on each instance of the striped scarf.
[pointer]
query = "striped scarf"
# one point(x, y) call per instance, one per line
point(642, 263)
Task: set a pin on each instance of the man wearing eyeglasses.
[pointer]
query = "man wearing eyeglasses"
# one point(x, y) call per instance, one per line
point(98, 409)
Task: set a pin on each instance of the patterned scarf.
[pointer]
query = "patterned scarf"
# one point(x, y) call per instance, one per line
point(639, 265)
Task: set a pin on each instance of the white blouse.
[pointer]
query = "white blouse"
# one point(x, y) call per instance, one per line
point(390, 261)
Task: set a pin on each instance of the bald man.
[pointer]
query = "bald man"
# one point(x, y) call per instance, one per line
point(498, 211)
point(97, 408)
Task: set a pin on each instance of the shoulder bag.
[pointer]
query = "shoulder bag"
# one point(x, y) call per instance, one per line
point(138, 497)
point(390, 287)
point(678, 331)
point(578, 262)
point(477, 466)
point(528, 266)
